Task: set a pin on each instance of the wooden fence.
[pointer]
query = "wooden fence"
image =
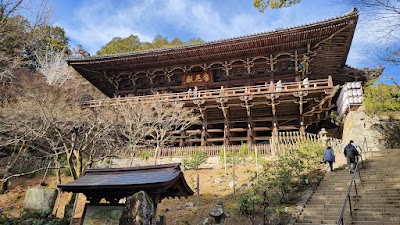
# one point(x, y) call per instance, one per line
point(24, 164)
point(284, 143)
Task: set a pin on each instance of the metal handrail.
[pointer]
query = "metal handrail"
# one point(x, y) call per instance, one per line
point(348, 197)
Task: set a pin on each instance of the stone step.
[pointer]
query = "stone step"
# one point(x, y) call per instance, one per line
point(383, 191)
point(381, 214)
point(313, 223)
point(379, 199)
point(317, 221)
point(320, 217)
point(329, 197)
point(318, 213)
point(375, 210)
point(338, 189)
point(367, 205)
point(326, 201)
point(333, 193)
point(377, 218)
point(326, 206)
point(373, 223)
point(380, 173)
point(378, 189)
point(335, 185)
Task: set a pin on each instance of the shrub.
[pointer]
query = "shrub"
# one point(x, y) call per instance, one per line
point(34, 218)
point(246, 205)
point(309, 153)
point(391, 134)
point(381, 99)
point(145, 155)
point(233, 157)
point(198, 158)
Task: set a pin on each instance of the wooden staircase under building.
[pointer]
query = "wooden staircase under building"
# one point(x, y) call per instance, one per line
point(376, 201)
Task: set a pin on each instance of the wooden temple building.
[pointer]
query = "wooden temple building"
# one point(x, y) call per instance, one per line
point(246, 89)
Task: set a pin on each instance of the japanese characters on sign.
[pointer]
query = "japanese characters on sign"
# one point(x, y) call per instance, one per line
point(196, 78)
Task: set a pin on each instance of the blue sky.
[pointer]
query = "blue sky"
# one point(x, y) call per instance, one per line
point(93, 23)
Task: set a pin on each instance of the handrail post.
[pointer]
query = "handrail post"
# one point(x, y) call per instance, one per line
point(351, 208)
point(355, 187)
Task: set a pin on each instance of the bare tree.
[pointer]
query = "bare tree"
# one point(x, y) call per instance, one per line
point(262, 5)
point(79, 51)
point(52, 64)
point(50, 121)
point(155, 124)
point(168, 120)
point(381, 19)
point(132, 124)
point(18, 33)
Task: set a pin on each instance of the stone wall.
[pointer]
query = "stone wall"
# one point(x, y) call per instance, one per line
point(362, 130)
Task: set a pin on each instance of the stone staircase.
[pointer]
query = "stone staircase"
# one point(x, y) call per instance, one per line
point(378, 201)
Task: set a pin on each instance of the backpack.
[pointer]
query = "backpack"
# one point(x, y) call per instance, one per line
point(350, 150)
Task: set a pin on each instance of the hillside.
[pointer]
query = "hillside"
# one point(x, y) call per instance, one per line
point(214, 185)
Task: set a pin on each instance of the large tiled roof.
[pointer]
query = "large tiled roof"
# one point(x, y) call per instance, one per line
point(327, 43)
point(322, 27)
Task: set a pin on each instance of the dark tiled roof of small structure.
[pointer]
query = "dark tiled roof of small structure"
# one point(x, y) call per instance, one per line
point(129, 180)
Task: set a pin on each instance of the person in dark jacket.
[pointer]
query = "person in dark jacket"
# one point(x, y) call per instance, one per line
point(329, 156)
point(351, 153)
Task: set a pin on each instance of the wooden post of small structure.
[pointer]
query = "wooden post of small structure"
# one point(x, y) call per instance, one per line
point(225, 158)
point(155, 203)
point(198, 199)
point(73, 208)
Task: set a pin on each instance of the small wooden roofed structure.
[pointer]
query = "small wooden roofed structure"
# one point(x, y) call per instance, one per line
point(113, 184)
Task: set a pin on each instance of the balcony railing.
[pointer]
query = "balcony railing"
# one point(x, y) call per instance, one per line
point(269, 88)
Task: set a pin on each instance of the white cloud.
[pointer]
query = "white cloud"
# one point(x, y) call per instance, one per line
point(94, 23)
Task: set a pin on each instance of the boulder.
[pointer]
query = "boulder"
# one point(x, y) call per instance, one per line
point(40, 199)
point(139, 210)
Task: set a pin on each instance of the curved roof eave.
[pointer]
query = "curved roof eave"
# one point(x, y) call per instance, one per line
point(174, 50)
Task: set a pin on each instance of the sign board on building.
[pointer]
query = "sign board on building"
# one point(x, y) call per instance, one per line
point(197, 78)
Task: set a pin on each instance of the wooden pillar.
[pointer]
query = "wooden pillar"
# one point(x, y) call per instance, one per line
point(273, 104)
point(222, 101)
point(156, 199)
point(275, 126)
point(204, 132)
point(182, 139)
point(302, 127)
point(301, 95)
point(246, 99)
point(249, 131)
point(202, 109)
point(226, 132)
